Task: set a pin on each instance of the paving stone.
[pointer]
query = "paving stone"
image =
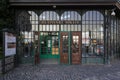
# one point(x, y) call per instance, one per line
point(64, 72)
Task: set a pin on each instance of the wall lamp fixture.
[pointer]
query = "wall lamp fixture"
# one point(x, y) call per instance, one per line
point(113, 12)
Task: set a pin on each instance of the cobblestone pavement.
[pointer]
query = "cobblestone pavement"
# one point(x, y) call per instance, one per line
point(64, 72)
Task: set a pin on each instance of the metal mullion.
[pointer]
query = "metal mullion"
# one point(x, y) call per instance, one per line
point(74, 25)
point(59, 35)
point(65, 25)
point(49, 23)
point(30, 39)
point(34, 21)
point(96, 25)
point(70, 20)
point(85, 38)
point(67, 20)
point(70, 53)
point(81, 33)
point(60, 20)
point(38, 22)
point(23, 45)
point(102, 32)
point(78, 20)
point(41, 25)
point(44, 25)
point(96, 32)
point(119, 35)
point(51, 27)
point(92, 32)
point(69, 48)
point(113, 36)
point(116, 36)
point(99, 26)
point(74, 20)
point(93, 24)
point(31, 36)
point(110, 35)
point(63, 20)
point(23, 30)
point(81, 20)
point(81, 25)
point(56, 25)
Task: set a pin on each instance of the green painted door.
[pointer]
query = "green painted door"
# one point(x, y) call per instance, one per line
point(49, 45)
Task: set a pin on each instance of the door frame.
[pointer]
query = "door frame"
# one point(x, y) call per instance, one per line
point(69, 48)
point(48, 56)
point(76, 58)
point(67, 54)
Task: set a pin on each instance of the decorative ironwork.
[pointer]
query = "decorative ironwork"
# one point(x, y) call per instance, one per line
point(92, 24)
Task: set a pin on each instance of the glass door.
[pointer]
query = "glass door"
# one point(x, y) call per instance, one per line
point(64, 47)
point(36, 48)
point(49, 45)
point(76, 47)
point(70, 47)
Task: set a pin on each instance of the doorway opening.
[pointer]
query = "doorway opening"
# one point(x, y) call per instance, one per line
point(70, 47)
point(49, 47)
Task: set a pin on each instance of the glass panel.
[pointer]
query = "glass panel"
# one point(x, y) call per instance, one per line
point(75, 44)
point(65, 44)
point(49, 43)
point(49, 15)
point(92, 34)
point(93, 15)
point(36, 37)
point(55, 44)
point(70, 15)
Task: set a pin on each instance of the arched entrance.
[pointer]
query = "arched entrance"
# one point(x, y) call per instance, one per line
point(70, 38)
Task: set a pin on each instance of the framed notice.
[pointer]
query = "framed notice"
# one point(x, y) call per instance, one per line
point(10, 44)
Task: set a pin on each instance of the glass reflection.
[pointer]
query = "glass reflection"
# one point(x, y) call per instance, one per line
point(92, 35)
point(65, 44)
point(75, 44)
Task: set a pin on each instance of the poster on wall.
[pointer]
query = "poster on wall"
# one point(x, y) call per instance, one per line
point(10, 44)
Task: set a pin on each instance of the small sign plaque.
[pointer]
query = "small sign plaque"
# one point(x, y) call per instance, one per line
point(56, 22)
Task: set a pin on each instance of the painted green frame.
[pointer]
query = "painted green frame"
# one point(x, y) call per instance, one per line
point(48, 56)
point(69, 48)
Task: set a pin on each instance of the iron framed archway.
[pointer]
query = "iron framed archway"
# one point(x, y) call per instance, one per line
point(90, 22)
